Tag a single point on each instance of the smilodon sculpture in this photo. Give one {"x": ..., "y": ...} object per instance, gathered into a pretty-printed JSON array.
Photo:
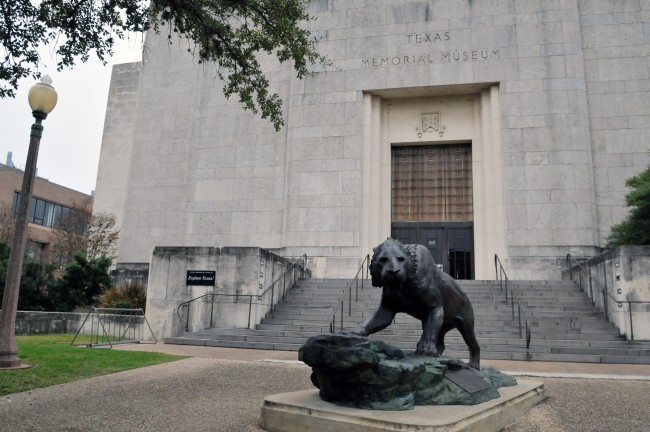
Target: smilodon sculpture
[{"x": 413, "y": 284}]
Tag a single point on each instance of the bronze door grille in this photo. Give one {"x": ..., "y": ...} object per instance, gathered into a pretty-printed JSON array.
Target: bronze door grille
[{"x": 432, "y": 183}]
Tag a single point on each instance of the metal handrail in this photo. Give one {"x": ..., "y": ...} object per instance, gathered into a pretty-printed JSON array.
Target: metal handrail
[
  {"x": 585, "y": 273},
  {"x": 502, "y": 277},
  {"x": 260, "y": 296},
  {"x": 213, "y": 295},
  {"x": 348, "y": 292}
]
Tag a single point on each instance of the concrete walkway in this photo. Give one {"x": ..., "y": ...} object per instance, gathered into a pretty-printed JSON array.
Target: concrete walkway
[{"x": 221, "y": 389}]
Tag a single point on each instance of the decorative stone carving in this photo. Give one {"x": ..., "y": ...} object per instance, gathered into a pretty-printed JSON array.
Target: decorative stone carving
[{"x": 430, "y": 122}]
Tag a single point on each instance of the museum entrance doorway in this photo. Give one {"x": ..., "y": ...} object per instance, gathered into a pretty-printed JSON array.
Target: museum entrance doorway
[{"x": 432, "y": 203}]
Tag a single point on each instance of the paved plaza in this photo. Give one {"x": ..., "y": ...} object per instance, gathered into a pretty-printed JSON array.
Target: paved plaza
[{"x": 221, "y": 389}]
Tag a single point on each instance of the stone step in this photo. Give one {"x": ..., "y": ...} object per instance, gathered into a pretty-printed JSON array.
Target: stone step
[
  {"x": 452, "y": 337},
  {"x": 483, "y": 297},
  {"x": 494, "y": 355},
  {"x": 456, "y": 344},
  {"x": 504, "y": 331},
  {"x": 487, "y": 310},
  {"x": 564, "y": 324},
  {"x": 357, "y": 318},
  {"x": 548, "y": 300},
  {"x": 366, "y": 288},
  {"x": 357, "y": 315},
  {"x": 496, "y": 314}
]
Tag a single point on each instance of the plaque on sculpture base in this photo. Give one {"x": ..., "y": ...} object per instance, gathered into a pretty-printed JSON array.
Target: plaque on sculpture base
[{"x": 305, "y": 411}]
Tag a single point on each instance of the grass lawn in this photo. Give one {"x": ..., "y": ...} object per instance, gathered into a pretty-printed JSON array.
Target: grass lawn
[{"x": 53, "y": 361}]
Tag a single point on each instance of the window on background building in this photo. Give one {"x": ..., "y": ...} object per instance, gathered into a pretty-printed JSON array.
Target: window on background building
[{"x": 47, "y": 213}]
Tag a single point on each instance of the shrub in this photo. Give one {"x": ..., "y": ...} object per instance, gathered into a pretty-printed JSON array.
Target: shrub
[
  {"x": 635, "y": 229},
  {"x": 131, "y": 295},
  {"x": 83, "y": 281}
]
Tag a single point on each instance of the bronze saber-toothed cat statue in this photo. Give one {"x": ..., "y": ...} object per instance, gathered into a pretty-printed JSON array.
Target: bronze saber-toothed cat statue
[{"x": 413, "y": 284}]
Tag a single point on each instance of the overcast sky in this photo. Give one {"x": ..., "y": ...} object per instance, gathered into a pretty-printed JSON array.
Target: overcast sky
[{"x": 72, "y": 138}]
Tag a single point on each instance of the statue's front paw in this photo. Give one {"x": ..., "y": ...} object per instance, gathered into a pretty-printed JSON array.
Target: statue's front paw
[
  {"x": 360, "y": 331},
  {"x": 426, "y": 348}
]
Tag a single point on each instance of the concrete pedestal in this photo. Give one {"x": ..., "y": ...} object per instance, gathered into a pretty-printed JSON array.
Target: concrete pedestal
[{"x": 304, "y": 411}]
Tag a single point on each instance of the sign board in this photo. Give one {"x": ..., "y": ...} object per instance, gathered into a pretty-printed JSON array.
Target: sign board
[{"x": 201, "y": 277}]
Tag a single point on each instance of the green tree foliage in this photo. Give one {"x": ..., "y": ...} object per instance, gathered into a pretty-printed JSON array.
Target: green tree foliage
[
  {"x": 635, "y": 229},
  {"x": 84, "y": 280},
  {"x": 230, "y": 33},
  {"x": 35, "y": 284},
  {"x": 4, "y": 263}
]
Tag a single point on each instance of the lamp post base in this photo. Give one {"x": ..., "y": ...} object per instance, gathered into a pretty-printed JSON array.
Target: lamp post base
[{"x": 11, "y": 361}]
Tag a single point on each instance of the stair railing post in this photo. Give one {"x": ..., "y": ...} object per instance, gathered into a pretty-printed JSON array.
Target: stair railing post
[
  {"x": 629, "y": 308},
  {"x": 591, "y": 288},
  {"x": 250, "y": 308},
  {"x": 367, "y": 266},
  {"x": 519, "y": 314},
  {"x": 605, "y": 308},
  {"x": 350, "y": 301},
  {"x": 293, "y": 281},
  {"x": 342, "y": 315},
  {"x": 187, "y": 321},
  {"x": 211, "y": 310},
  {"x": 356, "y": 289},
  {"x": 580, "y": 280}
]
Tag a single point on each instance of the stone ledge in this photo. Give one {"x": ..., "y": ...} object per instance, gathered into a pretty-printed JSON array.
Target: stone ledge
[{"x": 304, "y": 411}]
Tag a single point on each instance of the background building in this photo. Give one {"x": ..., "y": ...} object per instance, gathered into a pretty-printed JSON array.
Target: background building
[
  {"x": 50, "y": 205},
  {"x": 474, "y": 127}
]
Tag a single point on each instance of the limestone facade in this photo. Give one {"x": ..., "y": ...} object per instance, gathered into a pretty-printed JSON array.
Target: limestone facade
[{"x": 552, "y": 95}]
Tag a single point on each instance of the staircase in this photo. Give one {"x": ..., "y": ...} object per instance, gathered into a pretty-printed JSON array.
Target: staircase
[{"x": 564, "y": 324}]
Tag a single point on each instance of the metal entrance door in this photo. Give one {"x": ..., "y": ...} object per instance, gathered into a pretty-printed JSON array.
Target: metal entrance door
[
  {"x": 432, "y": 203},
  {"x": 451, "y": 244}
]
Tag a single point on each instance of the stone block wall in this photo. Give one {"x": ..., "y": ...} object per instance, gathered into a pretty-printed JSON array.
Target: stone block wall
[
  {"x": 618, "y": 282},
  {"x": 130, "y": 273},
  {"x": 615, "y": 46},
  {"x": 568, "y": 115},
  {"x": 248, "y": 281},
  {"x": 117, "y": 141}
]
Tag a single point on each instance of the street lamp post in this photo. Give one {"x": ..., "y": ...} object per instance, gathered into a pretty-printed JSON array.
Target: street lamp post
[{"x": 42, "y": 99}]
